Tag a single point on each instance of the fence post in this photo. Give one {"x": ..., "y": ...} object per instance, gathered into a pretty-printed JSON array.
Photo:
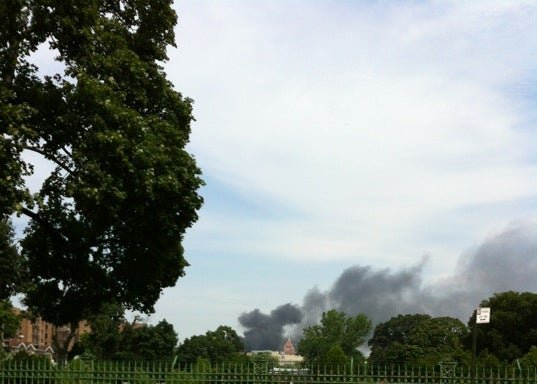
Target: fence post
[{"x": 447, "y": 371}]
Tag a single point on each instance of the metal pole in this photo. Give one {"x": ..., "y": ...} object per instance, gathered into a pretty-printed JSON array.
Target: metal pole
[{"x": 474, "y": 347}]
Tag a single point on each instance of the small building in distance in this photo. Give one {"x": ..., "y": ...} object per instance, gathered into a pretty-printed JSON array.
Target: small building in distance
[
  {"x": 35, "y": 336},
  {"x": 288, "y": 348},
  {"x": 286, "y": 356},
  {"x": 289, "y": 357}
]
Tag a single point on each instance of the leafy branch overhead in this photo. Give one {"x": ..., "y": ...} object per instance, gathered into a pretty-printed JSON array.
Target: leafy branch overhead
[{"x": 108, "y": 221}]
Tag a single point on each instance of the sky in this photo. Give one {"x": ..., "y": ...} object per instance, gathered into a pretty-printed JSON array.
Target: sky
[
  {"x": 340, "y": 136},
  {"x": 376, "y": 157}
]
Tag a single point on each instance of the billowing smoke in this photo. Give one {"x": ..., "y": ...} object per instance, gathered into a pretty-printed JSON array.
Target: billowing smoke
[
  {"x": 507, "y": 261},
  {"x": 265, "y": 332}
]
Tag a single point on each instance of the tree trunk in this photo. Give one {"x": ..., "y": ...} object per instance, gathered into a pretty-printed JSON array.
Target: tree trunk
[{"x": 61, "y": 340}]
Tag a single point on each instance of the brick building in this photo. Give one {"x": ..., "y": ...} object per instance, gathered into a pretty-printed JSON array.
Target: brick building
[{"x": 35, "y": 336}]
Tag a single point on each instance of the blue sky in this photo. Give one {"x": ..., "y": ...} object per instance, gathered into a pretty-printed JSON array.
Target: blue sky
[
  {"x": 343, "y": 133},
  {"x": 334, "y": 134}
]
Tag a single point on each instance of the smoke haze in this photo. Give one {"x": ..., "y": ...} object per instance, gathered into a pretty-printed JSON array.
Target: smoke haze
[
  {"x": 506, "y": 261},
  {"x": 264, "y": 332}
]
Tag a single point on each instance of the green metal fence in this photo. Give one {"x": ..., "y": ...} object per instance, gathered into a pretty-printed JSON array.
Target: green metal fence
[{"x": 93, "y": 372}]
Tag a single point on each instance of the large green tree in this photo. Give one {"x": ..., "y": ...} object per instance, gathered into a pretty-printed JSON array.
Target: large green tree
[
  {"x": 147, "y": 342},
  {"x": 512, "y": 330},
  {"x": 9, "y": 321},
  {"x": 11, "y": 262},
  {"x": 108, "y": 221},
  {"x": 336, "y": 329},
  {"x": 113, "y": 338},
  {"x": 416, "y": 338},
  {"x": 222, "y": 344}
]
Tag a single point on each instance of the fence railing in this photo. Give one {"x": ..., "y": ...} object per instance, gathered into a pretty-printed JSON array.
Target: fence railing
[{"x": 94, "y": 372}]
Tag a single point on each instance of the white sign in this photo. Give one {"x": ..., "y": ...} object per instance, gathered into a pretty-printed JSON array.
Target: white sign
[{"x": 482, "y": 315}]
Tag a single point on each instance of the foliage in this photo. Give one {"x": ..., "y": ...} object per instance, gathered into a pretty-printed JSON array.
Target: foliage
[
  {"x": 148, "y": 342},
  {"x": 262, "y": 359},
  {"x": 118, "y": 340},
  {"x": 529, "y": 360},
  {"x": 4, "y": 354},
  {"x": 512, "y": 330},
  {"x": 335, "y": 357},
  {"x": 462, "y": 356},
  {"x": 108, "y": 222},
  {"x": 335, "y": 329},
  {"x": 416, "y": 338},
  {"x": 33, "y": 359},
  {"x": 487, "y": 359},
  {"x": 11, "y": 262},
  {"x": 75, "y": 372},
  {"x": 223, "y": 344},
  {"x": 9, "y": 321},
  {"x": 103, "y": 341}
]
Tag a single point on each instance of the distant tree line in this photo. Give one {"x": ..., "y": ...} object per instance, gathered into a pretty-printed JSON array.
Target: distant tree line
[
  {"x": 510, "y": 337},
  {"x": 337, "y": 340},
  {"x": 417, "y": 339}
]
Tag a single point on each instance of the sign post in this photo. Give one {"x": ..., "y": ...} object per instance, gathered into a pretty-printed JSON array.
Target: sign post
[{"x": 482, "y": 316}]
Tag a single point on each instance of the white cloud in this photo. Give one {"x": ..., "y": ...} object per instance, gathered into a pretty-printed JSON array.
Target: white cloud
[{"x": 368, "y": 119}]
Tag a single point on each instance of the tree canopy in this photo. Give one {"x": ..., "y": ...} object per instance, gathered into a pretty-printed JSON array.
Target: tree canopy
[
  {"x": 113, "y": 338},
  {"x": 11, "y": 263},
  {"x": 103, "y": 342},
  {"x": 336, "y": 329},
  {"x": 108, "y": 221},
  {"x": 512, "y": 330},
  {"x": 416, "y": 338},
  {"x": 147, "y": 342},
  {"x": 9, "y": 321},
  {"x": 222, "y": 344}
]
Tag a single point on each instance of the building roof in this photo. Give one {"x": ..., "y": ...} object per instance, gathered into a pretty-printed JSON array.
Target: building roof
[{"x": 289, "y": 348}]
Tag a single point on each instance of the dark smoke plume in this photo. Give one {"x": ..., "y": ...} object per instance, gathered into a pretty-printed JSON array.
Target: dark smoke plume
[
  {"x": 265, "y": 332},
  {"x": 507, "y": 261}
]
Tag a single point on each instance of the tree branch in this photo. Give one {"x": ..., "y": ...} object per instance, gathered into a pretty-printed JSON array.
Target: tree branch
[
  {"x": 53, "y": 232},
  {"x": 67, "y": 152},
  {"x": 34, "y": 216},
  {"x": 61, "y": 164}
]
